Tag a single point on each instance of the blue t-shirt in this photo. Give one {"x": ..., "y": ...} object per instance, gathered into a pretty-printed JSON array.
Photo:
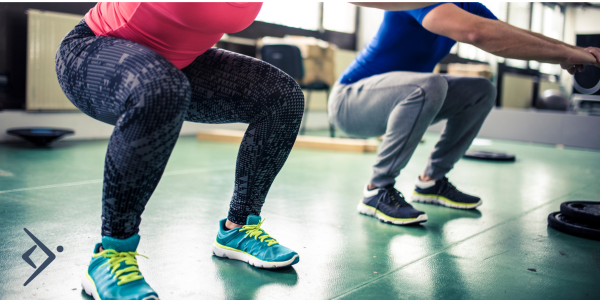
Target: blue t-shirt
[{"x": 403, "y": 44}]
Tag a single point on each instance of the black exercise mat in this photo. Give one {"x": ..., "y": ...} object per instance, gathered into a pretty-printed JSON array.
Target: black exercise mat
[{"x": 488, "y": 155}]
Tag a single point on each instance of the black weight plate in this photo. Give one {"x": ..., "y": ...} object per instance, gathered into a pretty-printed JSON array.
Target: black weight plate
[
  {"x": 488, "y": 155},
  {"x": 560, "y": 222},
  {"x": 583, "y": 211}
]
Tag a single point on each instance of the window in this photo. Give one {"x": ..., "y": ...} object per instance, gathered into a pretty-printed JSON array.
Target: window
[
  {"x": 370, "y": 20},
  {"x": 536, "y": 17},
  {"x": 339, "y": 16},
  {"x": 537, "y": 11},
  {"x": 519, "y": 14},
  {"x": 553, "y": 26},
  {"x": 305, "y": 15},
  {"x": 499, "y": 9}
]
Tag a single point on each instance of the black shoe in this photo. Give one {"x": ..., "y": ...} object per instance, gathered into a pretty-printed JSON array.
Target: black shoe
[
  {"x": 444, "y": 193},
  {"x": 388, "y": 205}
]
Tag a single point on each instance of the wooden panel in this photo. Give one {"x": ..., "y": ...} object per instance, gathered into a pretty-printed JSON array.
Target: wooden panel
[{"x": 307, "y": 142}]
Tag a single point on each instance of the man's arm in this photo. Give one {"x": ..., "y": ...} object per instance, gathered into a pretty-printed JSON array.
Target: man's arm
[
  {"x": 503, "y": 39},
  {"x": 394, "y": 6},
  {"x": 593, "y": 50},
  {"x": 548, "y": 39}
]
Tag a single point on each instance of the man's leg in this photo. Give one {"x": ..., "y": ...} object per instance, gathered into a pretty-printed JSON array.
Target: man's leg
[
  {"x": 400, "y": 105},
  {"x": 468, "y": 102}
]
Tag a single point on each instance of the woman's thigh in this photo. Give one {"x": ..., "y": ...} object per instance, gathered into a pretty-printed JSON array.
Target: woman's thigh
[
  {"x": 228, "y": 87},
  {"x": 106, "y": 76}
]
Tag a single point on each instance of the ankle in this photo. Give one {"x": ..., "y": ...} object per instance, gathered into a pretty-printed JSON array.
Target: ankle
[
  {"x": 371, "y": 187},
  {"x": 230, "y": 225},
  {"x": 425, "y": 178}
]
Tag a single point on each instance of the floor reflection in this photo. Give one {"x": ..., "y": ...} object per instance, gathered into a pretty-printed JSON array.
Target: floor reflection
[
  {"x": 409, "y": 245},
  {"x": 229, "y": 271}
]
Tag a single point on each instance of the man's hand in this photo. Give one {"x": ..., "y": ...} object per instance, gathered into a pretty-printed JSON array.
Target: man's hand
[
  {"x": 578, "y": 58},
  {"x": 596, "y": 53}
]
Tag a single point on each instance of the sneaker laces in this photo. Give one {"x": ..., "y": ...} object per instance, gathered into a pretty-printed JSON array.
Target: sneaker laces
[
  {"x": 114, "y": 261},
  {"x": 395, "y": 198},
  {"x": 258, "y": 233},
  {"x": 448, "y": 188}
]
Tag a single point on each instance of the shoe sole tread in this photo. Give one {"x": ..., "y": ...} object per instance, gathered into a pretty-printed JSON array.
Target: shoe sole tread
[
  {"x": 371, "y": 212},
  {"x": 443, "y": 201},
  {"x": 219, "y": 251}
]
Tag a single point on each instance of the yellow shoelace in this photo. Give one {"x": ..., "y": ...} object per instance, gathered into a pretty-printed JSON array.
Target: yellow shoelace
[
  {"x": 114, "y": 260},
  {"x": 258, "y": 233}
]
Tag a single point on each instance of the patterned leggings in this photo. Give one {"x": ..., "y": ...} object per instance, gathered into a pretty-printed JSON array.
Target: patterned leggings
[{"x": 147, "y": 98}]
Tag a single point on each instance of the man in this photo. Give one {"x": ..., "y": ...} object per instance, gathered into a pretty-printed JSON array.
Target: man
[{"x": 390, "y": 90}]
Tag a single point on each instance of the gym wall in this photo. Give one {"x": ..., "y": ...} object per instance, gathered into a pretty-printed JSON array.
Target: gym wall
[{"x": 13, "y": 44}]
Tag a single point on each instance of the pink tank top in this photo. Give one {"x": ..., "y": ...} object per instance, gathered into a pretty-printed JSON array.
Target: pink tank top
[{"x": 178, "y": 31}]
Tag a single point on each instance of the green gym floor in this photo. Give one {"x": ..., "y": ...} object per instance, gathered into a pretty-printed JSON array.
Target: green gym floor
[{"x": 504, "y": 250}]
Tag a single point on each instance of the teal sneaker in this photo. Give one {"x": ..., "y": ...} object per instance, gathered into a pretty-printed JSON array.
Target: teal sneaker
[
  {"x": 253, "y": 245},
  {"x": 113, "y": 274}
]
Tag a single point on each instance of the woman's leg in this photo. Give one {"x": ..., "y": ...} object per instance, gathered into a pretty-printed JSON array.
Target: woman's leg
[
  {"x": 125, "y": 84},
  {"x": 229, "y": 88}
]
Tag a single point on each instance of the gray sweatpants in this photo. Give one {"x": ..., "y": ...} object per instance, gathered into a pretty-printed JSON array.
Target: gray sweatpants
[{"x": 401, "y": 105}]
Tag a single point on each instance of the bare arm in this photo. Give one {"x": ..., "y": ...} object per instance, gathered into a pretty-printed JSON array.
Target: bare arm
[
  {"x": 548, "y": 39},
  {"x": 503, "y": 39},
  {"x": 593, "y": 50},
  {"x": 394, "y": 6}
]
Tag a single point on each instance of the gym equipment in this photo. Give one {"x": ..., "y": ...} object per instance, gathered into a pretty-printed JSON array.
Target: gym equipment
[
  {"x": 41, "y": 137},
  {"x": 588, "y": 81},
  {"x": 552, "y": 100},
  {"x": 586, "y": 103},
  {"x": 563, "y": 223},
  {"x": 584, "y": 211},
  {"x": 488, "y": 155}
]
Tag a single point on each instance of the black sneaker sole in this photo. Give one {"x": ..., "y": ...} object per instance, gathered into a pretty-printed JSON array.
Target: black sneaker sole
[{"x": 370, "y": 211}]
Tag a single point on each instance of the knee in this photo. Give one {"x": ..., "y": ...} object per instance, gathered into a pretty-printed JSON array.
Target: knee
[
  {"x": 292, "y": 97},
  {"x": 435, "y": 88},
  {"x": 488, "y": 93}
]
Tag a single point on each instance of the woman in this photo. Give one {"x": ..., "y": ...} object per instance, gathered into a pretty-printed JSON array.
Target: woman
[{"x": 147, "y": 67}]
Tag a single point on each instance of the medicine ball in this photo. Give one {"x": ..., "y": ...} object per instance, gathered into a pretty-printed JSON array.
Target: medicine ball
[{"x": 552, "y": 100}]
